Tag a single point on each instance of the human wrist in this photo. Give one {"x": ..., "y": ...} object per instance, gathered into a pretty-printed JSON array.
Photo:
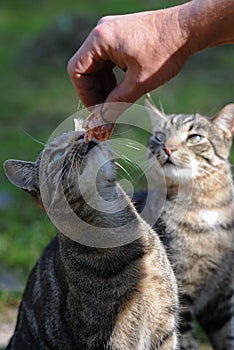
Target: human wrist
[
  {"x": 169, "y": 30},
  {"x": 206, "y": 23}
]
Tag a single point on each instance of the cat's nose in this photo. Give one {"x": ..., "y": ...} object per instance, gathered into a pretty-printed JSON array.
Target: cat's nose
[
  {"x": 83, "y": 147},
  {"x": 167, "y": 150},
  {"x": 89, "y": 145}
]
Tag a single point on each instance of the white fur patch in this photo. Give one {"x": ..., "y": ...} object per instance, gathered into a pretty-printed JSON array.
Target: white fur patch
[{"x": 210, "y": 217}]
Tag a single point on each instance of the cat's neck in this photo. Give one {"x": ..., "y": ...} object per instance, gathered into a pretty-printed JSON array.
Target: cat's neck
[
  {"x": 111, "y": 210},
  {"x": 95, "y": 275},
  {"x": 216, "y": 186},
  {"x": 107, "y": 228},
  {"x": 204, "y": 203},
  {"x": 80, "y": 261}
]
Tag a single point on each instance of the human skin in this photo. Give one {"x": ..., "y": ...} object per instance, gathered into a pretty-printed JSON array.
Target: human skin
[{"x": 150, "y": 47}]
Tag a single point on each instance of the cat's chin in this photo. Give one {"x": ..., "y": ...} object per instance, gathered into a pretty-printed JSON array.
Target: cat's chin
[
  {"x": 99, "y": 167},
  {"x": 177, "y": 175}
]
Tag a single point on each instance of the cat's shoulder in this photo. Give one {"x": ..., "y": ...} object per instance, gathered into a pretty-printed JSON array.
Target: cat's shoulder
[
  {"x": 49, "y": 260},
  {"x": 52, "y": 246}
]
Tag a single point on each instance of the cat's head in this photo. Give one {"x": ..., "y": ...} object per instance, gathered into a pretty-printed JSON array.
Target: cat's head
[
  {"x": 69, "y": 163},
  {"x": 190, "y": 147}
]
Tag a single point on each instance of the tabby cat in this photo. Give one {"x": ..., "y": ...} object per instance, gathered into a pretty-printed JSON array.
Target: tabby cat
[
  {"x": 80, "y": 297},
  {"x": 198, "y": 218}
]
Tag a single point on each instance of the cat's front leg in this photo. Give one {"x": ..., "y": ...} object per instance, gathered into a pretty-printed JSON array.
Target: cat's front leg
[{"x": 217, "y": 320}]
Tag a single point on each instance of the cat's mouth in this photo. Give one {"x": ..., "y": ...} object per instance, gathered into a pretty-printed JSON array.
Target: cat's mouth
[
  {"x": 166, "y": 160},
  {"x": 169, "y": 161},
  {"x": 84, "y": 147}
]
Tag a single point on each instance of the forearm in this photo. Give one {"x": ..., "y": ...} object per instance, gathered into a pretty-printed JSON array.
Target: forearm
[
  {"x": 151, "y": 47},
  {"x": 207, "y": 23}
]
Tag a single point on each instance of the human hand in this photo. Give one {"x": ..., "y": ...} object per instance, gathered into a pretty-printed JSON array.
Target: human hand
[
  {"x": 148, "y": 46},
  {"x": 151, "y": 47}
]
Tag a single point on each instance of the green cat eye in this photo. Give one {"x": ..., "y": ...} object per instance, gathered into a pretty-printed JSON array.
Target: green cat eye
[{"x": 194, "y": 138}]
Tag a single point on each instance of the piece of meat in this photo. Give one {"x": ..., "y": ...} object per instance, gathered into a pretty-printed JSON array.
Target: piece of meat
[{"x": 96, "y": 127}]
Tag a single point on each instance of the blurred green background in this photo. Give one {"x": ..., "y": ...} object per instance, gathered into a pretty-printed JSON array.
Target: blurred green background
[{"x": 37, "y": 39}]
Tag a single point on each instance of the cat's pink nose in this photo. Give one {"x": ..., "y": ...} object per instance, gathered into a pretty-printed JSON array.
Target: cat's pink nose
[{"x": 167, "y": 150}]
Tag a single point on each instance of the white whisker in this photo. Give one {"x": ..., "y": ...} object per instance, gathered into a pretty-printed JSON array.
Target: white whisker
[
  {"x": 71, "y": 168},
  {"x": 130, "y": 146},
  {"x": 80, "y": 105},
  {"x": 50, "y": 174},
  {"x": 161, "y": 106},
  {"x": 56, "y": 189},
  {"x": 125, "y": 171},
  {"x": 213, "y": 169},
  {"x": 120, "y": 133},
  {"x": 128, "y": 161},
  {"x": 150, "y": 98},
  {"x": 145, "y": 170},
  {"x": 212, "y": 175}
]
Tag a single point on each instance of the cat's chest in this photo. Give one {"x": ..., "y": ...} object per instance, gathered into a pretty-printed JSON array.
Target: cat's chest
[
  {"x": 198, "y": 231},
  {"x": 198, "y": 242},
  {"x": 179, "y": 215}
]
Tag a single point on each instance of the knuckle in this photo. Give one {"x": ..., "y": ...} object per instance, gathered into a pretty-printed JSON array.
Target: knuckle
[
  {"x": 99, "y": 32},
  {"x": 106, "y": 28},
  {"x": 104, "y": 19},
  {"x": 102, "y": 34}
]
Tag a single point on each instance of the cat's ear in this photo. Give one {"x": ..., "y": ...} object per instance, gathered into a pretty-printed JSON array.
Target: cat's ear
[
  {"x": 225, "y": 120},
  {"x": 21, "y": 174},
  {"x": 154, "y": 112}
]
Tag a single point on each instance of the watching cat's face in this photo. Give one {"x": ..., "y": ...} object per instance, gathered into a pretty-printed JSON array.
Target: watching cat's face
[
  {"x": 80, "y": 167},
  {"x": 189, "y": 147}
]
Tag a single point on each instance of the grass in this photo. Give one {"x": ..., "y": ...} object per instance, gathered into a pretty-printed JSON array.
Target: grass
[
  {"x": 35, "y": 99},
  {"x": 9, "y": 299}
]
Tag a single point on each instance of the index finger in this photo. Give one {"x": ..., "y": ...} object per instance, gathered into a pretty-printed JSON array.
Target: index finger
[{"x": 92, "y": 75}]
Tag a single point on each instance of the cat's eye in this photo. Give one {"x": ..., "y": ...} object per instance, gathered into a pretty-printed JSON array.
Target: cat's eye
[
  {"x": 160, "y": 137},
  {"x": 195, "y": 138}
]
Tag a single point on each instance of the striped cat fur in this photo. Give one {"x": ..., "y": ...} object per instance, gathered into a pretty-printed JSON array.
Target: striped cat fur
[
  {"x": 85, "y": 298},
  {"x": 197, "y": 221}
]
